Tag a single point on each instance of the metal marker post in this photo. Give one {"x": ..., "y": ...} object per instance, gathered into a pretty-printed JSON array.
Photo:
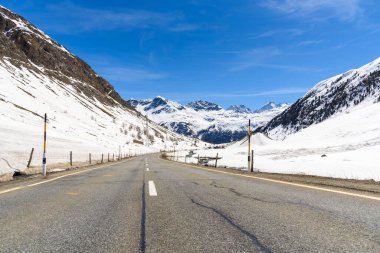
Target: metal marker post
[
  {"x": 249, "y": 145},
  {"x": 252, "y": 155},
  {"x": 44, "y": 154}
]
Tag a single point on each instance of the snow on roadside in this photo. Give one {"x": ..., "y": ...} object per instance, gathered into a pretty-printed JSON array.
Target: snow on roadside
[{"x": 350, "y": 142}]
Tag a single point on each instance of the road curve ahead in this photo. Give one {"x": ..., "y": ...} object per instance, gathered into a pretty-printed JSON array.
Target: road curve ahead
[{"x": 151, "y": 205}]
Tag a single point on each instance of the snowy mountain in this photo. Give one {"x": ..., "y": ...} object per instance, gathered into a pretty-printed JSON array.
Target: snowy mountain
[
  {"x": 239, "y": 109},
  {"x": 205, "y": 120},
  {"x": 343, "y": 146},
  {"x": 204, "y": 106},
  {"x": 332, "y": 131},
  {"x": 86, "y": 115},
  {"x": 329, "y": 98},
  {"x": 268, "y": 106}
]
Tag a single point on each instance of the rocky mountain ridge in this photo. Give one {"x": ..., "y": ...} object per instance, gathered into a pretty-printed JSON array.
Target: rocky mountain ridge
[
  {"x": 24, "y": 44},
  {"x": 338, "y": 94}
]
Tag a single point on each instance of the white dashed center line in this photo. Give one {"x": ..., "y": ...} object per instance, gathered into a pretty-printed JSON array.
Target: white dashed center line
[
  {"x": 147, "y": 169},
  {"x": 152, "y": 189}
]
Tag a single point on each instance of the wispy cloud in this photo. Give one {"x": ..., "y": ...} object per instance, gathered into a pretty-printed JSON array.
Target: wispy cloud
[
  {"x": 184, "y": 28},
  {"x": 117, "y": 71},
  {"x": 279, "y": 32},
  {"x": 276, "y": 92},
  {"x": 344, "y": 10},
  {"x": 309, "y": 42},
  {"x": 203, "y": 95},
  {"x": 75, "y": 19},
  {"x": 130, "y": 74},
  {"x": 250, "y": 58},
  {"x": 266, "y": 57}
]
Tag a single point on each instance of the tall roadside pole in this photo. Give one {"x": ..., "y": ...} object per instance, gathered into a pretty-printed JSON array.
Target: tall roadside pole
[
  {"x": 249, "y": 145},
  {"x": 44, "y": 154}
]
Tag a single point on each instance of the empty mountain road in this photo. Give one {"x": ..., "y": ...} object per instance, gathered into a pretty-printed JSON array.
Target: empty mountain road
[{"x": 151, "y": 205}]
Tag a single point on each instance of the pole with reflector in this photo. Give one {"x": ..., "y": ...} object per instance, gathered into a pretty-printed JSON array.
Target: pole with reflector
[
  {"x": 249, "y": 145},
  {"x": 44, "y": 154}
]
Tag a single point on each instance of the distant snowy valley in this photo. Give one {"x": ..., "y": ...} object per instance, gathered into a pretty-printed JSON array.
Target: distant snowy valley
[{"x": 205, "y": 120}]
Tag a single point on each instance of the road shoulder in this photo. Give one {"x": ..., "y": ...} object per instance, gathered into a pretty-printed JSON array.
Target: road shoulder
[{"x": 363, "y": 186}]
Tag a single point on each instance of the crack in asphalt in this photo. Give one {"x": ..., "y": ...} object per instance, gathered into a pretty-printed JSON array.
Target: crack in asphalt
[
  {"x": 234, "y": 191},
  {"x": 292, "y": 203},
  {"x": 252, "y": 237},
  {"x": 143, "y": 217}
]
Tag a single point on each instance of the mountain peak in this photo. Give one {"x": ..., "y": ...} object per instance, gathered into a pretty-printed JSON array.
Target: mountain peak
[
  {"x": 202, "y": 105},
  {"x": 268, "y": 106},
  {"x": 156, "y": 102},
  {"x": 22, "y": 41},
  {"x": 239, "y": 109}
]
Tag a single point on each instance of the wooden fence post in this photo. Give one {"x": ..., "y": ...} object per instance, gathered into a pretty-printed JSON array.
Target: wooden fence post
[
  {"x": 30, "y": 158},
  {"x": 71, "y": 158},
  {"x": 198, "y": 159},
  {"x": 113, "y": 157},
  {"x": 89, "y": 156},
  {"x": 185, "y": 158},
  {"x": 108, "y": 157},
  {"x": 102, "y": 158},
  {"x": 216, "y": 160}
]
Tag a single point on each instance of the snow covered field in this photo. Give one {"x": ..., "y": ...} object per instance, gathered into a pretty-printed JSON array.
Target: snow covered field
[{"x": 350, "y": 141}]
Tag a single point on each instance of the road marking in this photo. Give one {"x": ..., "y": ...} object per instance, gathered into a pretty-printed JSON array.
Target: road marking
[
  {"x": 72, "y": 193},
  {"x": 59, "y": 177},
  {"x": 152, "y": 189},
  {"x": 147, "y": 169},
  {"x": 10, "y": 190},
  {"x": 290, "y": 183},
  {"x": 107, "y": 175}
]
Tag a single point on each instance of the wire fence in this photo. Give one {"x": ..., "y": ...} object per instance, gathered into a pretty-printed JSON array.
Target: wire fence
[{"x": 31, "y": 162}]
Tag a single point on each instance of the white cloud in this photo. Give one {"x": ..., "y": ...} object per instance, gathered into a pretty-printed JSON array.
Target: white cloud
[
  {"x": 183, "y": 28},
  {"x": 344, "y": 10},
  {"x": 76, "y": 19},
  {"x": 130, "y": 74},
  {"x": 250, "y": 58},
  {"x": 309, "y": 42},
  {"x": 284, "y": 91},
  {"x": 280, "y": 32}
]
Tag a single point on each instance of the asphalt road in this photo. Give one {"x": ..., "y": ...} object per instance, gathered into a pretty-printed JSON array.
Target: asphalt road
[{"x": 170, "y": 207}]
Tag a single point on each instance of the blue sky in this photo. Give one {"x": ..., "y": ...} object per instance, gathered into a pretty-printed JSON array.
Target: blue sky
[{"x": 226, "y": 51}]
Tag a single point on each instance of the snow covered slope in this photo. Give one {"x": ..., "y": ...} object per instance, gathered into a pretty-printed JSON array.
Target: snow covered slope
[
  {"x": 327, "y": 99},
  {"x": 86, "y": 115},
  {"x": 334, "y": 131},
  {"x": 345, "y": 146},
  {"x": 205, "y": 120}
]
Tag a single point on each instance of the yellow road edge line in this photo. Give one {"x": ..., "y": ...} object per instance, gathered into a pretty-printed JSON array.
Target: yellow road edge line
[
  {"x": 11, "y": 190},
  {"x": 285, "y": 182},
  {"x": 59, "y": 177}
]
